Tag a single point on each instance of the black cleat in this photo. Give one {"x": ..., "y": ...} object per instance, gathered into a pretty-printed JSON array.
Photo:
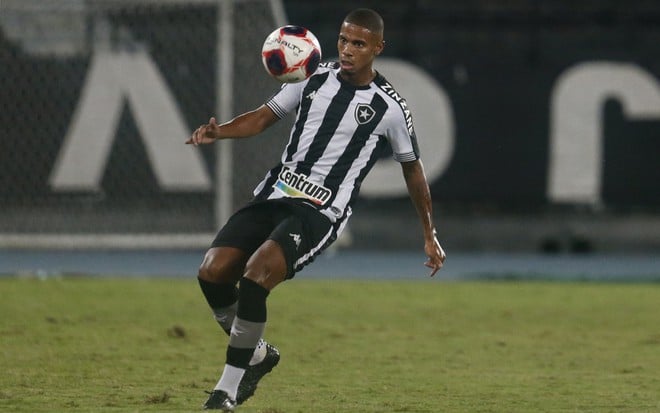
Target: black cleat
[
  {"x": 253, "y": 374},
  {"x": 219, "y": 400}
]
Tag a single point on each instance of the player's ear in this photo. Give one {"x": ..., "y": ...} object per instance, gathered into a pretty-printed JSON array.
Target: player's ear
[{"x": 380, "y": 47}]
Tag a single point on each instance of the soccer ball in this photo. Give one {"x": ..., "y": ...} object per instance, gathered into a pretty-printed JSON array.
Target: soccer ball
[{"x": 291, "y": 54}]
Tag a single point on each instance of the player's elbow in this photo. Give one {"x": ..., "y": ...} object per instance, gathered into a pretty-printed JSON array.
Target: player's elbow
[{"x": 412, "y": 169}]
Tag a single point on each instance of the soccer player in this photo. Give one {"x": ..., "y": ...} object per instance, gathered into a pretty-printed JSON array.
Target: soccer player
[{"x": 345, "y": 114}]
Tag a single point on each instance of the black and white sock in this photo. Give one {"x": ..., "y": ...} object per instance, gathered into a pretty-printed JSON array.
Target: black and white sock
[
  {"x": 222, "y": 298},
  {"x": 246, "y": 333}
]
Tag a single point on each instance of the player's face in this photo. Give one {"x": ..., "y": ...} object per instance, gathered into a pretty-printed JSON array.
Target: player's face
[{"x": 358, "y": 47}]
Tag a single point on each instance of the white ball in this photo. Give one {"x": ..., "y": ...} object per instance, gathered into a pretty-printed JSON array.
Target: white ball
[{"x": 291, "y": 54}]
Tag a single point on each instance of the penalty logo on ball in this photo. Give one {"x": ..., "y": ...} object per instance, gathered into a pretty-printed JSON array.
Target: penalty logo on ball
[{"x": 291, "y": 54}]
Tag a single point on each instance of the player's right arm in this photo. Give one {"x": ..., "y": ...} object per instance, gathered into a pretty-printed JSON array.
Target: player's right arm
[{"x": 243, "y": 126}]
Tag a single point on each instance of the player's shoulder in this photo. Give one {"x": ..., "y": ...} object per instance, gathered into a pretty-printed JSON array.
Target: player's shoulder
[
  {"x": 321, "y": 72},
  {"x": 326, "y": 67},
  {"x": 398, "y": 107},
  {"x": 330, "y": 65},
  {"x": 387, "y": 88},
  {"x": 394, "y": 98}
]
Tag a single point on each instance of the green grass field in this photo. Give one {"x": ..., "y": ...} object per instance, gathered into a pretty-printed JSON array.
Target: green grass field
[{"x": 147, "y": 345}]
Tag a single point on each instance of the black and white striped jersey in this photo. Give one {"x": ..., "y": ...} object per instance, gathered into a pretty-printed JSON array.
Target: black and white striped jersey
[{"x": 338, "y": 135}]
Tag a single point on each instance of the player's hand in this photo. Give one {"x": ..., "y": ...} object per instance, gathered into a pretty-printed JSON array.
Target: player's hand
[
  {"x": 436, "y": 255},
  {"x": 205, "y": 134}
]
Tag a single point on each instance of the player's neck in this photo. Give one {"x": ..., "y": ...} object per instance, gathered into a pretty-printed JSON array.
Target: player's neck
[{"x": 358, "y": 79}]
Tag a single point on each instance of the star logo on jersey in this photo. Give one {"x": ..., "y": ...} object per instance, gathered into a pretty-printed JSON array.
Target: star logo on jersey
[
  {"x": 364, "y": 113},
  {"x": 296, "y": 239},
  {"x": 311, "y": 95}
]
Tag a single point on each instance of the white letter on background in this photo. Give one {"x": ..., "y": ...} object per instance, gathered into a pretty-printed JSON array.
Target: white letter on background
[
  {"x": 576, "y": 123},
  {"x": 112, "y": 77}
]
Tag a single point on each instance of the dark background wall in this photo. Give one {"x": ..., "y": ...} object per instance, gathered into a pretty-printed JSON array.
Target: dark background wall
[{"x": 497, "y": 61}]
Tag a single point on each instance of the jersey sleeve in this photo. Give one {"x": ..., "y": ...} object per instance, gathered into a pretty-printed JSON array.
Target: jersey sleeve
[
  {"x": 286, "y": 99},
  {"x": 401, "y": 135}
]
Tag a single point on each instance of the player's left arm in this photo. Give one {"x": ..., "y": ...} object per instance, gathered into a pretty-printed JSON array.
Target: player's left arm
[{"x": 420, "y": 194}]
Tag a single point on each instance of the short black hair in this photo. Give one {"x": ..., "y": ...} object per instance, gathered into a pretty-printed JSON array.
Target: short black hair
[{"x": 367, "y": 18}]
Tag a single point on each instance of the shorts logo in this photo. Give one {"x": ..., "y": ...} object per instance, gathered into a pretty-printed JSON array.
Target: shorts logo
[
  {"x": 296, "y": 239},
  {"x": 364, "y": 113},
  {"x": 297, "y": 185}
]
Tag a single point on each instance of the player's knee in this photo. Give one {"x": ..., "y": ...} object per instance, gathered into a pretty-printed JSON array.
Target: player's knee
[
  {"x": 220, "y": 266},
  {"x": 209, "y": 268}
]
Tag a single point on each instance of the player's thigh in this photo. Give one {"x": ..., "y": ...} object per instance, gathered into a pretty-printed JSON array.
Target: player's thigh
[
  {"x": 301, "y": 237},
  {"x": 268, "y": 265},
  {"x": 236, "y": 241},
  {"x": 247, "y": 229},
  {"x": 274, "y": 261}
]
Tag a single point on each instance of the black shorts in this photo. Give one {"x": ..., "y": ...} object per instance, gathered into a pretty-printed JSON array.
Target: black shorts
[{"x": 301, "y": 230}]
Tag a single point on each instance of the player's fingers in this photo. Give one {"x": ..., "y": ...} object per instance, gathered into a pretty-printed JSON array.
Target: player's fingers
[
  {"x": 197, "y": 136},
  {"x": 433, "y": 270},
  {"x": 434, "y": 266},
  {"x": 208, "y": 131}
]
